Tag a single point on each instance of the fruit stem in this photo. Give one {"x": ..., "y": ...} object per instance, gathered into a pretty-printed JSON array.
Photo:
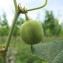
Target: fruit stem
[
  {"x": 32, "y": 49},
  {"x": 26, "y": 16}
]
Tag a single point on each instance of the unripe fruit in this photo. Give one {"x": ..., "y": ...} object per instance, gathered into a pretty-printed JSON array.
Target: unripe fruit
[{"x": 32, "y": 32}]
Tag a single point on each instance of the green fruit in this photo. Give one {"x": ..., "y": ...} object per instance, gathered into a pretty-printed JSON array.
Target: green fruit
[{"x": 32, "y": 32}]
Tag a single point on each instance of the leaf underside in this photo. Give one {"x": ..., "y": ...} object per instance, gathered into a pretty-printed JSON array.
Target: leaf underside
[{"x": 52, "y": 52}]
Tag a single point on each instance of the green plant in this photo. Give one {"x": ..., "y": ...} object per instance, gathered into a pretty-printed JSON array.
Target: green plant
[
  {"x": 18, "y": 10},
  {"x": 52, "y": 52},
  {"x": 51, "y": 25}
]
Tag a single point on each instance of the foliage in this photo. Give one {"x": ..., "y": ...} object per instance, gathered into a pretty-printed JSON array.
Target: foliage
[
  {"x": 61, "y": 33},
  {"x": 52, "y": 52},
  {"x": 51, "y": 25},
  {"x": 4, "y": 27}
]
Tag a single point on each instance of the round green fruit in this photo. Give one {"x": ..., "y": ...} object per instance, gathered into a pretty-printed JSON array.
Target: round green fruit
[{"x": 32, "y": 32}]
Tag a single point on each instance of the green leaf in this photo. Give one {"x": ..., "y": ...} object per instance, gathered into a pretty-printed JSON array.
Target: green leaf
[
  {"x": 58, "y": 58},
  {"x": 51, "y": 52}
]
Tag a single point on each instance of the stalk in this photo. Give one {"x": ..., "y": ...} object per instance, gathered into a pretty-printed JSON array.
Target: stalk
[
  {"x": 26, "y": 17},
  {"x": 11, "y": 31},
  {"x": 13, "y": 24}
]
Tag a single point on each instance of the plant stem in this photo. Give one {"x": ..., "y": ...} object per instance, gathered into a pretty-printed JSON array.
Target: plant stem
[
  {"x": 11, "y": 31},
  {"x": 13, "y": 24},
  {"x": 15, "y": 5},
  {"x": 2, "y": 56},
  {"x": 26, "y": 17},
  {"x": 32, "y": 49},
  {"x": 39, "y": 6}
]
